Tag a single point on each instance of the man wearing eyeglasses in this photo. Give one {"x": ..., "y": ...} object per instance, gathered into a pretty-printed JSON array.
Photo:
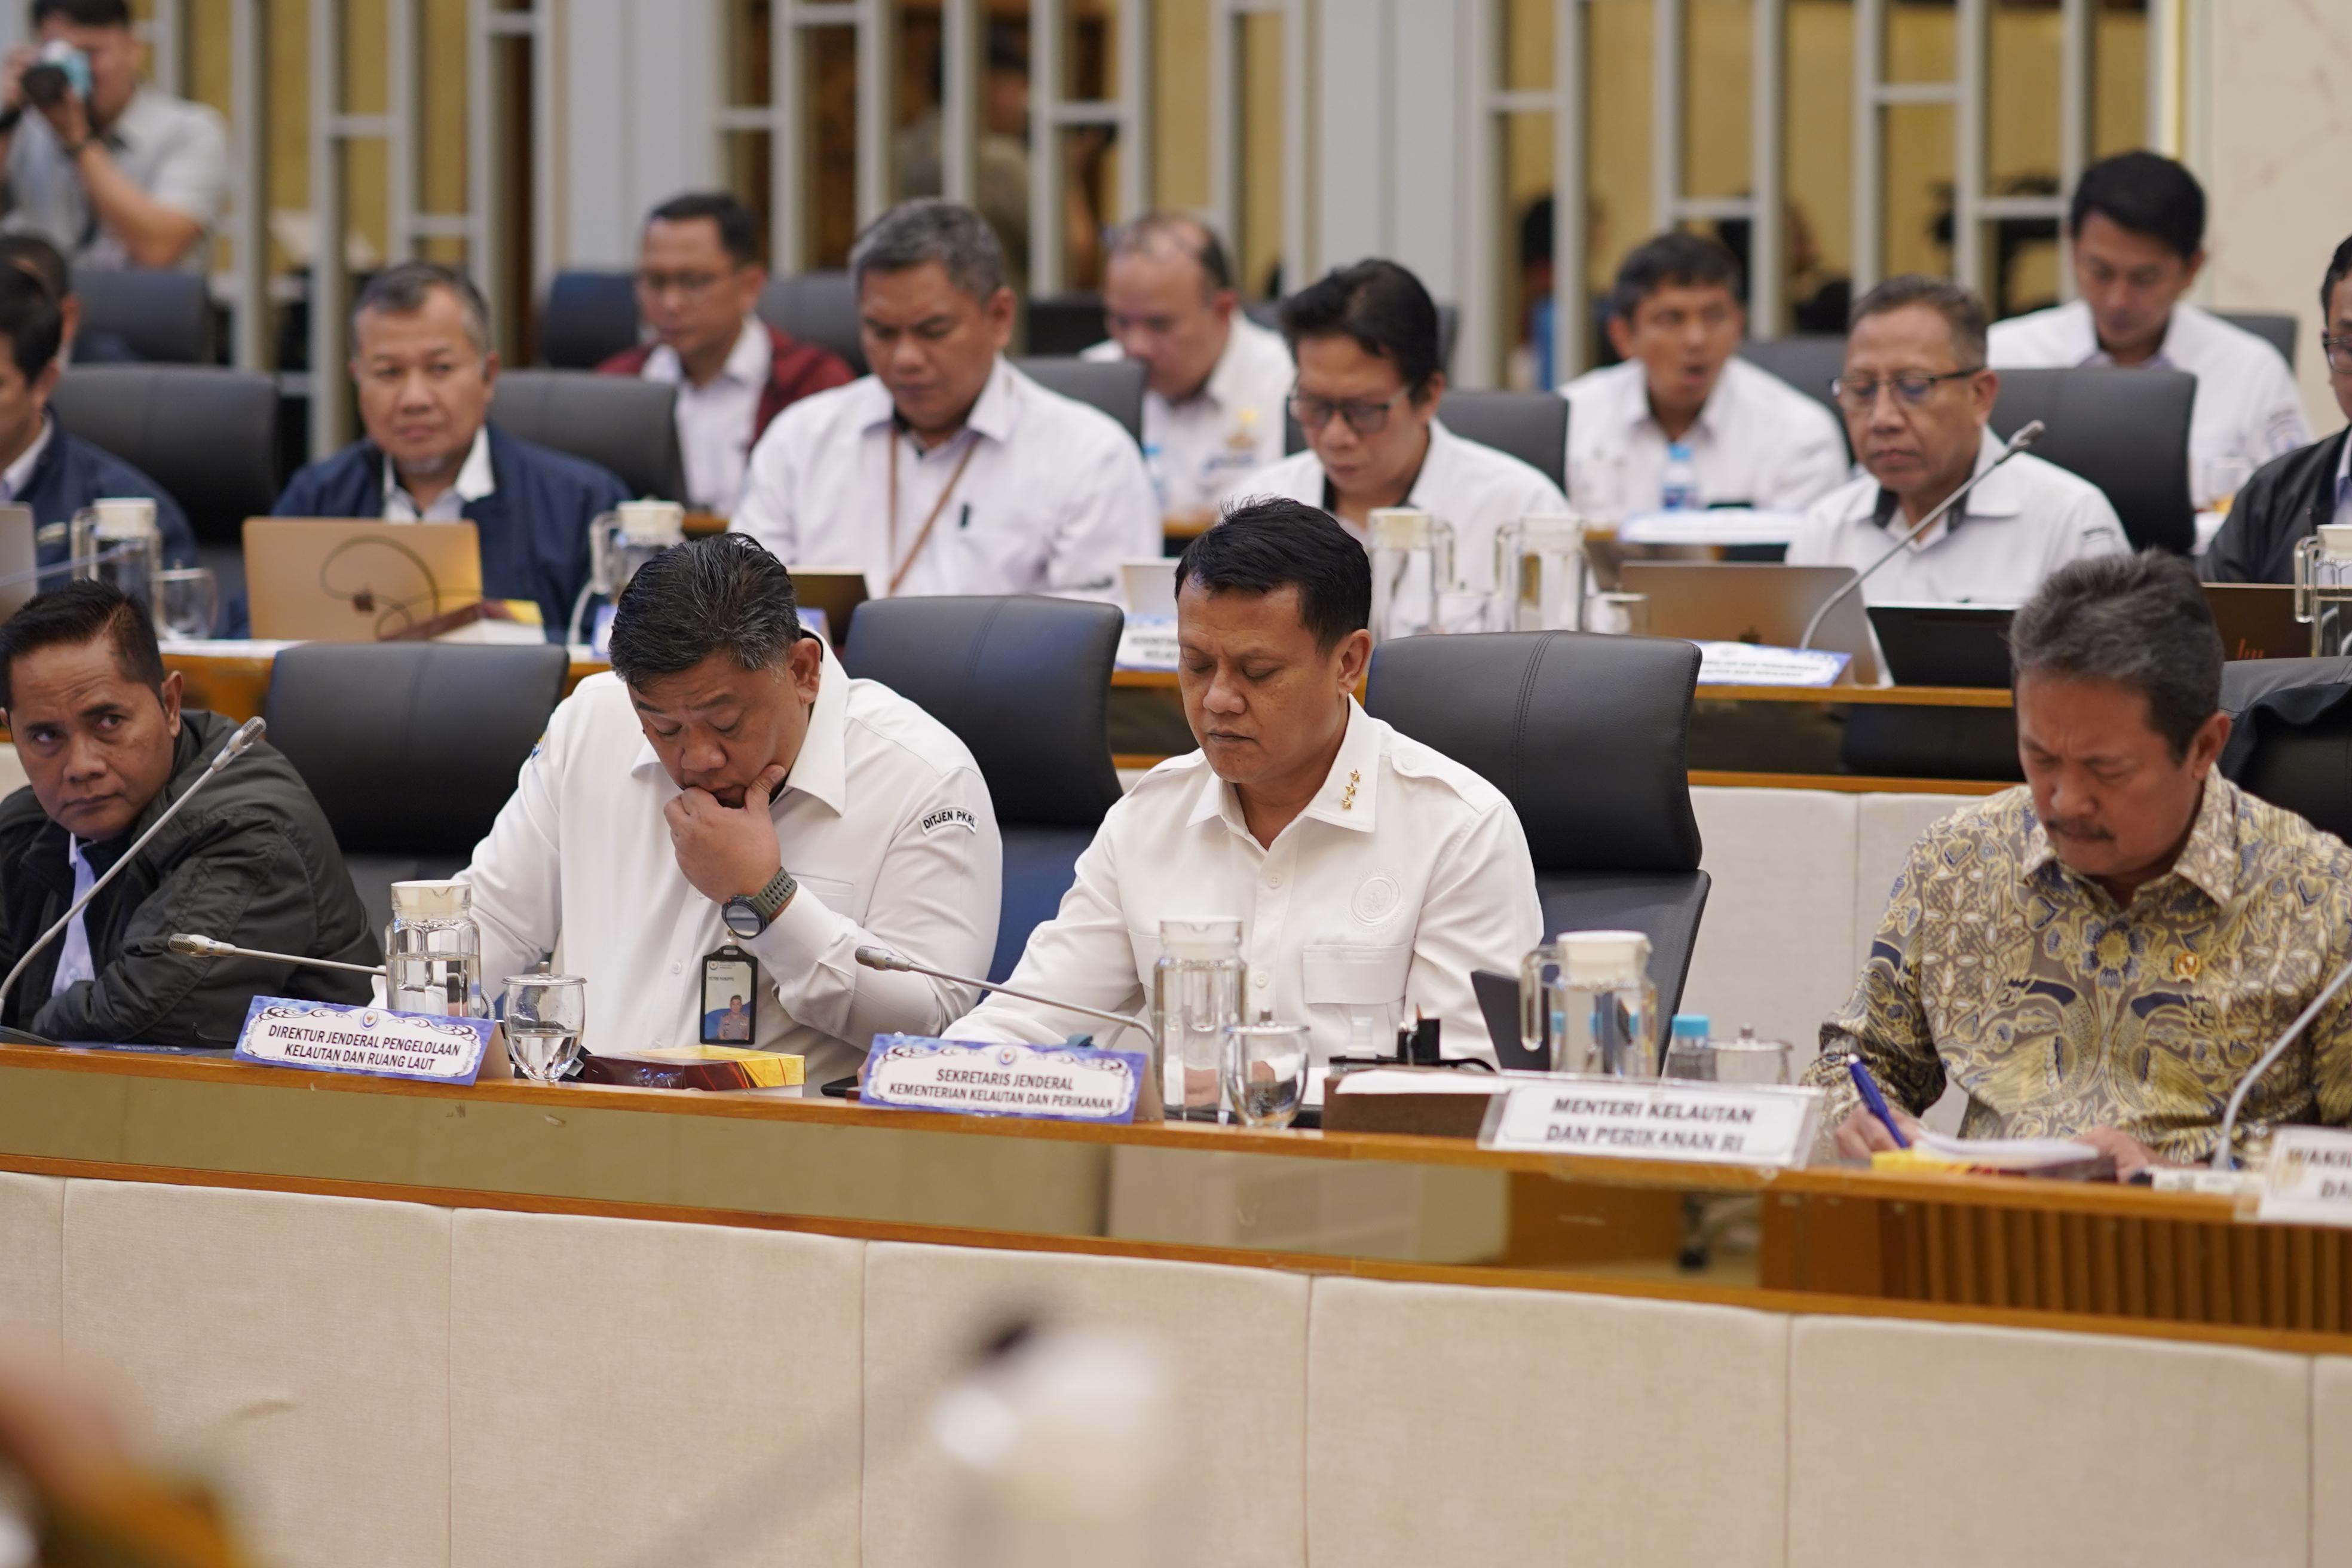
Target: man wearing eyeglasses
[
  {"x": 1917, "y": 397},
  {"x": 2292, "y": 495},
  {"x": 1370, "y": 377},
  {"x": 699, "y": 282}
]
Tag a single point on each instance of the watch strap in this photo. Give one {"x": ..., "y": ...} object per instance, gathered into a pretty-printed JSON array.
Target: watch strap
[{"x": 771, "y": 900}]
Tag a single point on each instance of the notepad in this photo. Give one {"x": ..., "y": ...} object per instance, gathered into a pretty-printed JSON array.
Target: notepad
[{"x": 2014, "y": 1156}]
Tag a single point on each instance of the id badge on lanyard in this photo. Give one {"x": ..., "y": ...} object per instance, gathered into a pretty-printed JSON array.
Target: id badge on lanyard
[{"x": 730, "y": 997}]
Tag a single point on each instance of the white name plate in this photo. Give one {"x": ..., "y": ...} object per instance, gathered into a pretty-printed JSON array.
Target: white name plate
[
  {"x": 325, "y": 1036},
  {"x": 2309, "y": 1179},
  {"x": 1752, "y": 1125},
  {"x": 1059, "y": 1083}
]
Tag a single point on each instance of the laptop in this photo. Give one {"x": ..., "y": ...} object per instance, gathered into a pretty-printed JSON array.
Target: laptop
[
  {"x": 2257, "y": 620},
  {"x": 1944, "y": 645},
  {"x": 1499, "y": 1005},
  {"x": 328, "y": 579},
  {"x": 834, "y": 592},
  {"x": 1728, "y": 601},
  {"x": 19, "y": 553}
]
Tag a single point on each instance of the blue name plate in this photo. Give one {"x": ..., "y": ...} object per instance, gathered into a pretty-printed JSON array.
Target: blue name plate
[
  {"x": 1054, "y": 1083},
  {"x": 326, "y": 1037}
]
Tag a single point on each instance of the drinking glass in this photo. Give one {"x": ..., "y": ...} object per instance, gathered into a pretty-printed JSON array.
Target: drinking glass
[
  {"x": 543, "y": 1014},
  {"x": 187, "y": 602},
  {"x": 1266, "y": 1071},
  {"x": 1748, "y": 1059}
]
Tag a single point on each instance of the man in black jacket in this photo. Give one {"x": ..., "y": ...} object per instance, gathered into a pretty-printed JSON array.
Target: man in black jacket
[
  {"x": 100, "y": 730},
  {"x": 2291, "y": 496}
]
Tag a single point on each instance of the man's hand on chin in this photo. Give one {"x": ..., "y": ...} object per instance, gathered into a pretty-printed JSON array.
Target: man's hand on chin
[{"x": 726, "y": 852}]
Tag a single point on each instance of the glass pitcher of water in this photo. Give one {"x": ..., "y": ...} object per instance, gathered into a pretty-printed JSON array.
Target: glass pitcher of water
[
  {"x": 117, "y": 540},
  {"x": 432, "y": 951},
  {"x": 1585, "y": 998},
  {"x": 1540, "y": 574},
  {"x": 1196, "y": 992},
  {"x": 1412, "y": 568},
  {"x": 2323, "y": 589}
]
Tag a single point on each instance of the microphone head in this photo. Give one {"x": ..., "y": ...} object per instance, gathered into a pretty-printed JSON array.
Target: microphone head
[
  {"x": 237, "y": 745},
  {"x": 880, "y": 958},
  {"x": 195, "y": 946},
  {"x": 2027, "y": 434}
]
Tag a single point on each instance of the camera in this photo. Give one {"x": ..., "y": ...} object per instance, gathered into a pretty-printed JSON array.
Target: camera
[{"x": 57, "y": 67}]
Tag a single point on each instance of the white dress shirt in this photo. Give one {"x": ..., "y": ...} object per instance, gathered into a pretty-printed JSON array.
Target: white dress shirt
[
  {"x": 1473, "y": 487},
  {"x": 885, "y": 823},
  {"x": 1758, "y": 442},
  {"x": 1407, "y": 872},
  {"x": 475, "y": 480},
  {"x": 2247, "y": 409},
  {"x": 714, "y": 421},
  {"x": 2019, "y": 526},
  {"x": 1198, "y": 449},
  {"x": 1054, "y": 498},
  {"x": 74, "y": 963},
  {"x": 175, "y": 150}
]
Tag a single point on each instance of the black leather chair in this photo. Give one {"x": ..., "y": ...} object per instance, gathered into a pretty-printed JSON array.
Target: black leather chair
[
  {"x": 2292, "y": 744},
  {"x": 818, "y": 307},
  {"x": 1026, "y": 683},
  {"x": 1530, "y": 425},
  {"x": 1807, "y": 362},
  {"x": 164, "y": 317},
  {"x": 1066, "y": 324},
  {"x": 2126, "y": 431},
  {"x": 1113, "y": 386},
  {"x": 1586, "y": 736},
  {"x": 411, "y": 748},
  {"x": 586, "y": 318},
  {"x": 2275, "y": 328},
  {"x": 619, "y": 422},
  {"x": 207, "y": 433}
]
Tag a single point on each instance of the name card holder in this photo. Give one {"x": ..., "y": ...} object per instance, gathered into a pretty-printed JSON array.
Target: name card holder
[
  {"x": 1052, "y": 1083},
  {"x": 2307, "y": 1179},
  {"x": 374, "y": 1042},
  {"x": 1765, "y": 1125}
]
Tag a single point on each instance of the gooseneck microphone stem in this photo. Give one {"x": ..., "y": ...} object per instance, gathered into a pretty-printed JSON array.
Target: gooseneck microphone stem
[
  {"x": 197, "y": 946},
  {"x": 2224, "y": 1159},
  {"x": 2025, "y": 437},
  {"x": 235, "y": 746},
  {"x": 883, "y": 958}
]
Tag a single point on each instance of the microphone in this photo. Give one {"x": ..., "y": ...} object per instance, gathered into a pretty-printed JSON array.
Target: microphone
[
  {"x": 235, "y": 746},
  {"x": 2223, "y": 1160},
  {"x": 197, "y": 946},
  {"x": 883, "y": 958},
  {"x": 2026, "y": 435}
]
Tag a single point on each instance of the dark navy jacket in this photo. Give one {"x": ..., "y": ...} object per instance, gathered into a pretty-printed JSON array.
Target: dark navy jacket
[
  {"x": 69, "y": 474},
  {"x": 533, "y": 526}
]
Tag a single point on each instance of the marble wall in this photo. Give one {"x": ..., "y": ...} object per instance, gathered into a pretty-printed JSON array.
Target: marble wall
[{"x": 2270, "y": 132}]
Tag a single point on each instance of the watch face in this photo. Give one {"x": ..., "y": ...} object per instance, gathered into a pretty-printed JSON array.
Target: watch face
[{"x": 739, "y": 917}]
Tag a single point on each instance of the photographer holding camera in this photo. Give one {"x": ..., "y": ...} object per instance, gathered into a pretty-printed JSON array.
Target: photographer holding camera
[{"x": 112, "y": 173}]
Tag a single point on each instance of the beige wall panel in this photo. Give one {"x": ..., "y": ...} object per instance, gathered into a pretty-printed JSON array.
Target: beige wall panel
[
  {"x": 622, "y": 1391},
  {"x": 1521, "y": 1426},
  {"x": 2331, "y": 1453},
  {"x": 1775, "y": 949},
  {"x": 295, "y": 1347},
  {"x": 1951, "y": 1444},
  {"x": 32, "y": 1259},
  {"x": 1239, "y": 1337}
]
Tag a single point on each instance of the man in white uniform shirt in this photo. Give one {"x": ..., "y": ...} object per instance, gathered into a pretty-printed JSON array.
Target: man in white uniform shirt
[
  {"x": 947, "y": 470},
  {"x": 2138, "y": 227},
  {"x": 1676, "y": 320},
  {"x": 1213, "y": 406},
  {"x": 1371, "y": 874},
  {"x": 1917, "y": 397},
  {"x": 1370, "y": 378},
  {"x": 728, "y": 784}
]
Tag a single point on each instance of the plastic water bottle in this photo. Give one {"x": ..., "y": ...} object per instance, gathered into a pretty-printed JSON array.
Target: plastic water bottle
[{"x": 1681, "y": 491}]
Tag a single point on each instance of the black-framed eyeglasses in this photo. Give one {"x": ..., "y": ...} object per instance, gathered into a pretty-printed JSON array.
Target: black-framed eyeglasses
[
  {"x": 1859, "y": 393},
  {"x": 1364, "y": 419},
  {"x": 2339, "y": 353}
]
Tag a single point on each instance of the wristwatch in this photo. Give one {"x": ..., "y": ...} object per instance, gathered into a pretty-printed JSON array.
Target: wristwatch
[{"x": 746, "y": 918}]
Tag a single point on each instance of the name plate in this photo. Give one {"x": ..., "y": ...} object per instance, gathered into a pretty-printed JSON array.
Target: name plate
[
  {"x": 1055, "y": 1083},
  {"x": 327, "y": 1037},
  {"x": 2309, "y": 1179},
  {"x": 1753, "y": 1124}
]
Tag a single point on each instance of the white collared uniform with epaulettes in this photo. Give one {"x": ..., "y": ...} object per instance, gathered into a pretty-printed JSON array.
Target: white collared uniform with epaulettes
[
  {"x": 1200, "y": 449},
  {"x": 1407, "y": 872},
  {"x": 2247, "y": 409},
  {"x": 1036, "y": 494},
  {"x": 2018, "y": 527},
  {"x": 885, "y": 823}
]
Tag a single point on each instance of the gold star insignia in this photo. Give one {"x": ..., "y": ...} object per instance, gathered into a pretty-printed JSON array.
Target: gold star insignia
[{"x": 1348, "y": 795}]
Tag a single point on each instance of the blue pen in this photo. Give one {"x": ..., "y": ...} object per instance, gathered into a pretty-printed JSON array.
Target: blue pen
[{"x": 1875, "y": 1103}]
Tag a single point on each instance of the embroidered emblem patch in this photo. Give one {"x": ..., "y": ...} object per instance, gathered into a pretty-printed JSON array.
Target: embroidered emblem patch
[{"x": 950, "y": 817}]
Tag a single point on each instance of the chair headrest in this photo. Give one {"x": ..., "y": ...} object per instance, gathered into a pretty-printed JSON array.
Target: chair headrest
[
  {"x": 1024, "y": 681},
  {"x": 1586, "y": 735}
]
